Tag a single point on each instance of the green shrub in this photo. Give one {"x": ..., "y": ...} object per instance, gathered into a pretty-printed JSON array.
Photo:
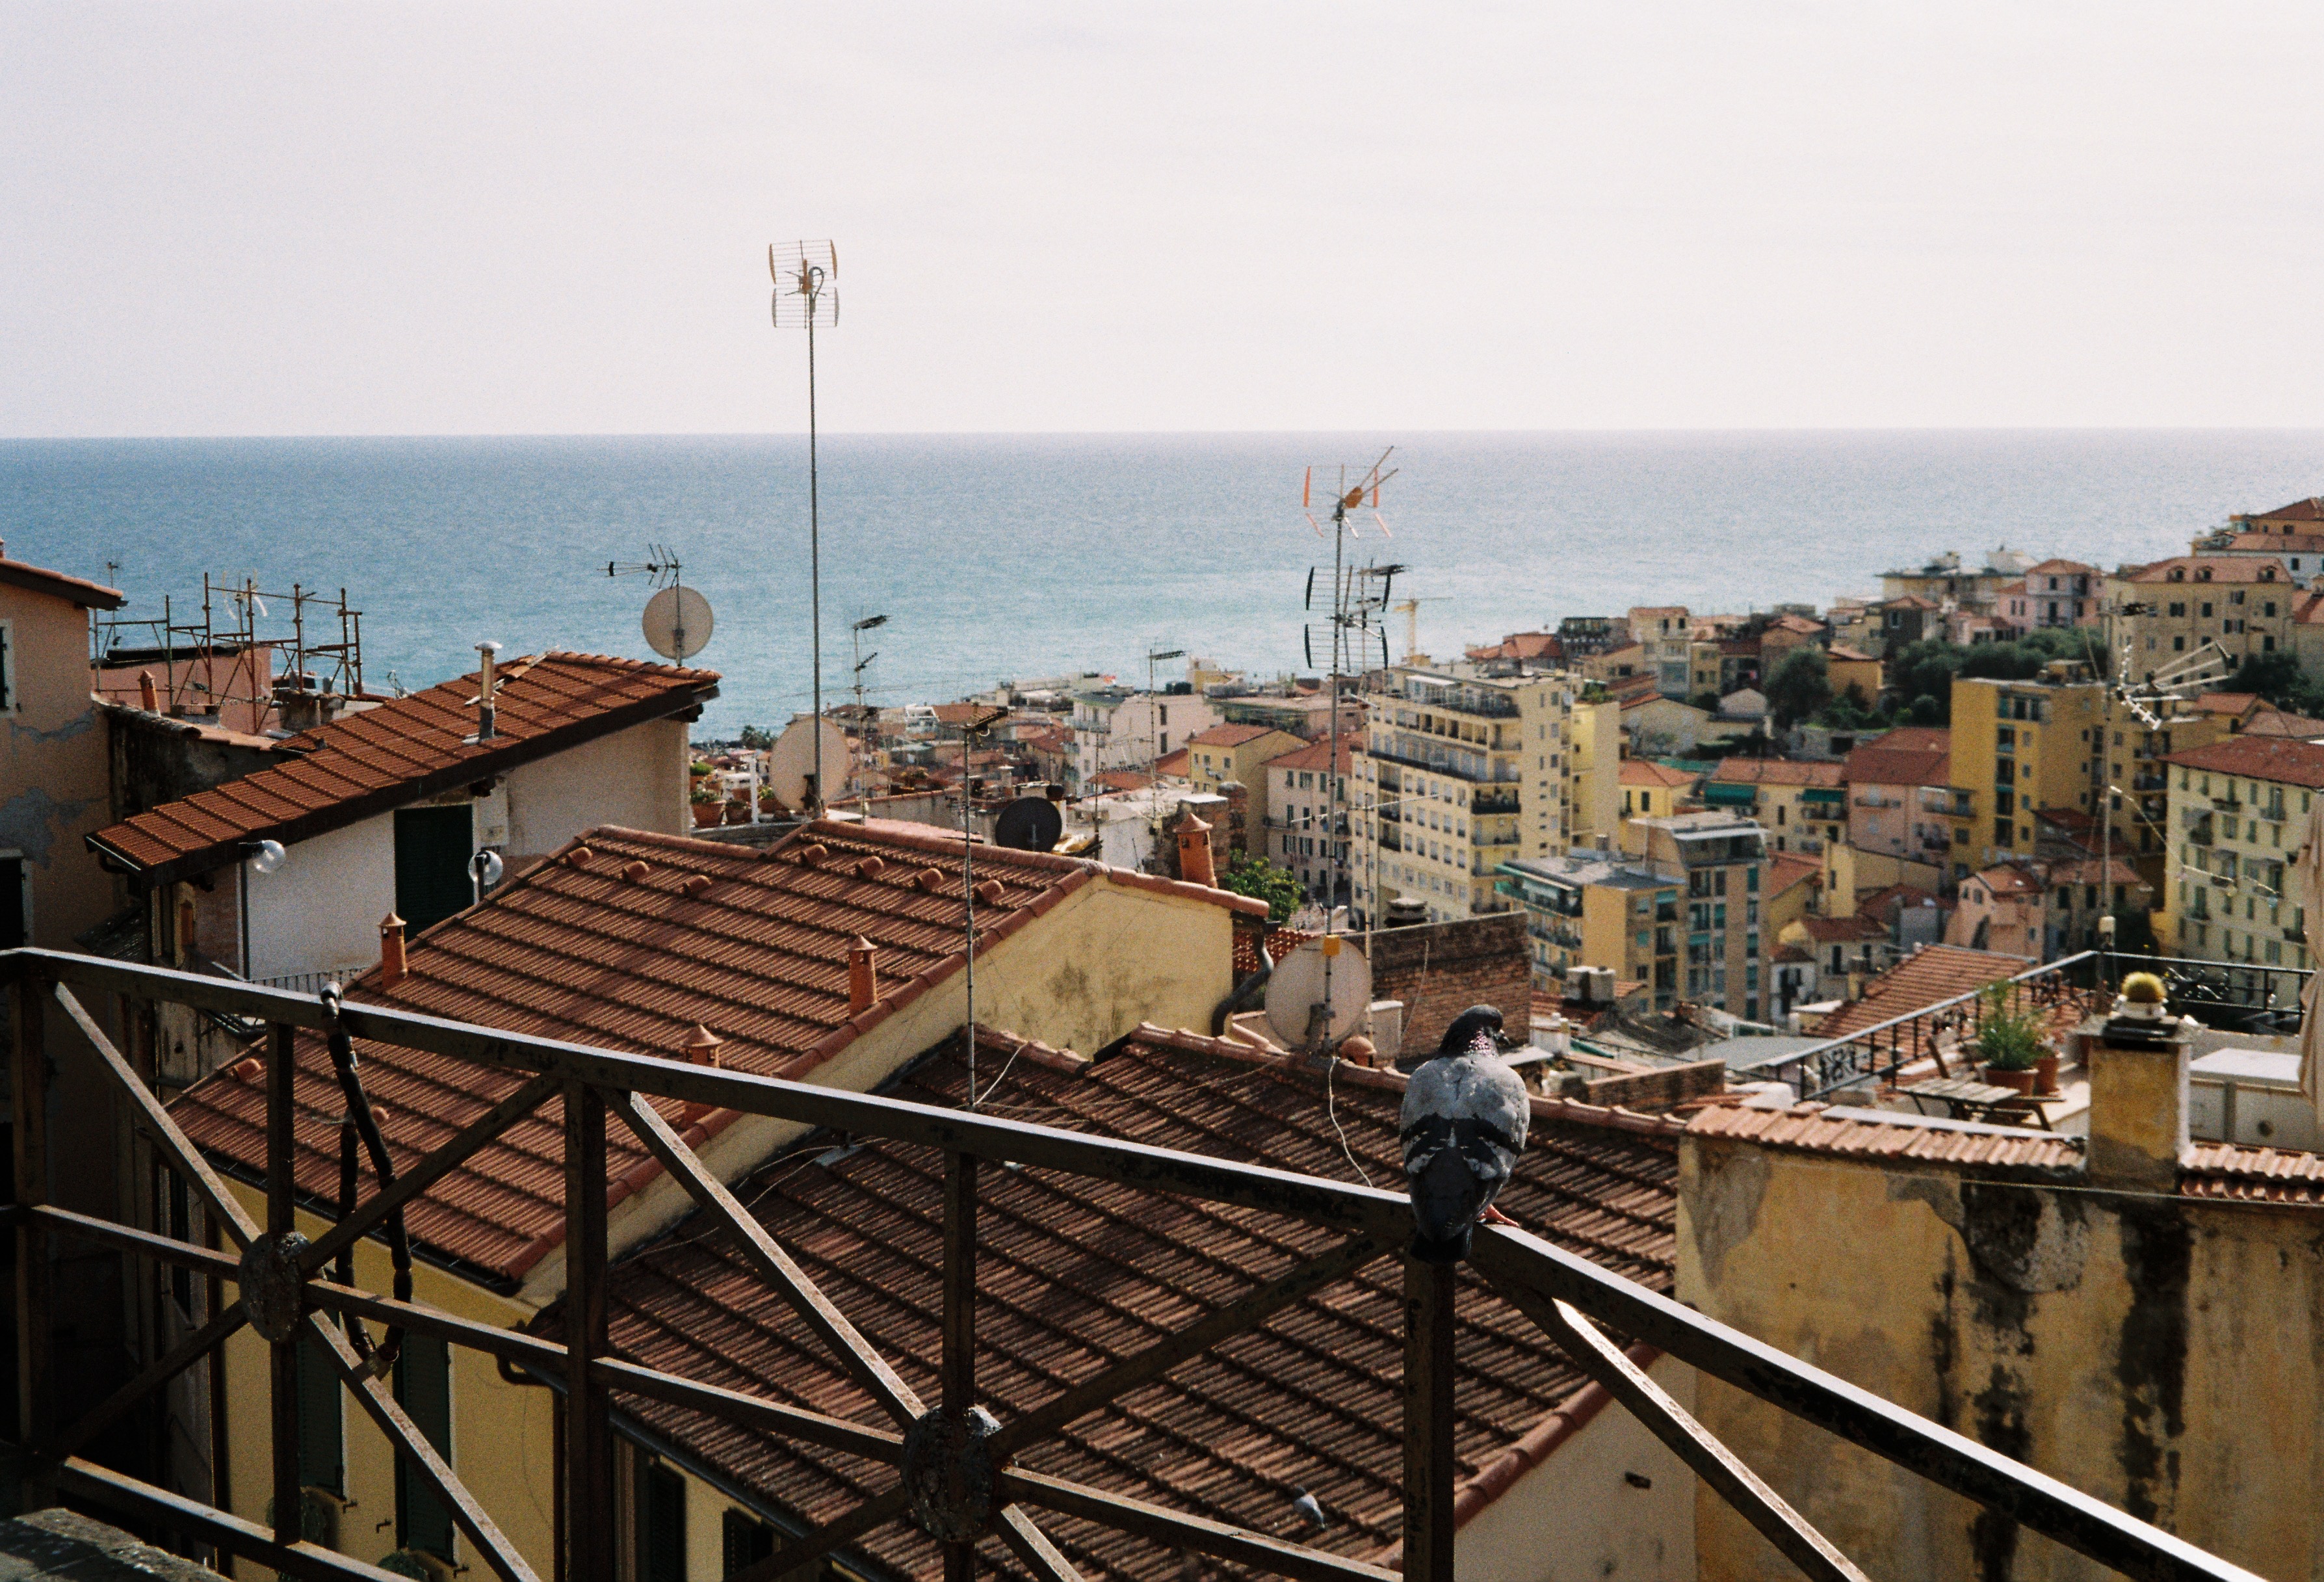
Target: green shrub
[{"x": 2007, "y": 1040}]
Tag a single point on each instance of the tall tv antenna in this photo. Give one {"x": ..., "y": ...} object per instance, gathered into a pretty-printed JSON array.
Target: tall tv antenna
[
  {"x": 2145, "y": 699},
  {"x": 856, "y": 630},
  {"x": 806, "y": 297},
  {"x": 1357, "y": 597}
]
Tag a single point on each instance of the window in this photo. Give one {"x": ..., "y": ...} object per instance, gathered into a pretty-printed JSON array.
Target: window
[
  {"x": 661, "y": 1524},
  {"x": 9, "y": 702},
  {"x": 747, "y": 1542},
  {"x": 423, "y": 1388}
]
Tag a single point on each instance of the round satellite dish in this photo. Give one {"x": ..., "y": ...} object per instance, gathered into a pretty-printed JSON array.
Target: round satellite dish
[
  {"x": 1029, "y": 824},
  {"x": 677, "y": 623},
  {"x": 791, "y": 761},
  {"x": 1295, "y": 988}
]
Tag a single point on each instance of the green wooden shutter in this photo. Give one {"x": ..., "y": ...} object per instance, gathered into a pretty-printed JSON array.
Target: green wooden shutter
[
  {"x": 433, "y": 848},
  {"x": 660, "y": 1523},
  {"x": 322, "y": 1452},
  {"x": 423, "y": 1388},
  {"x": 747, "y": 1542}
]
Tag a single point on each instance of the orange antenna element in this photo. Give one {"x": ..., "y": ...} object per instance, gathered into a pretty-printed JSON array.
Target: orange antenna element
[
  {"x": 1383, "y": 525},
  {"x": 1307, "y": 483},
  {"x": 1312, "y": 522}
]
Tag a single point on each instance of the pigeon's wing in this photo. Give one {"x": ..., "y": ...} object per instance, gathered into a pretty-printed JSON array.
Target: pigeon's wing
[{"x": 1430, "y": 1099}]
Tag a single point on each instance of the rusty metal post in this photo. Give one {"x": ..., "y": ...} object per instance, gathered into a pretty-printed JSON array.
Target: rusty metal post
[
  {"x": 221, "y": 1468},
  {"x": 282, "y": 1221},
  {"x": 35, "y": 1280},
  {"x": 1429, "y": 1421},
  {"x": 588, "y": 1407},
  {"x": 960, "y": 1318}
]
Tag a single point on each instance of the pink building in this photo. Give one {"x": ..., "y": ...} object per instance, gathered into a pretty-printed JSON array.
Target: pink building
[{"x": 2056, "y": 593}]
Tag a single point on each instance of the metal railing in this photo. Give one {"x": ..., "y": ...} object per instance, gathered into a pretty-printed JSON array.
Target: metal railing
[{"x": 956, "y": 1481}]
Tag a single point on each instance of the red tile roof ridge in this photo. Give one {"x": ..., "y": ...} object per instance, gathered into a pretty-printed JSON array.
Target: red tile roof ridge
[
  {"x": 911, "y": 835},
  {"x": 1536, "y": 1445},
  {"x": 77, "y": 590},
  {"x": 1815, "y": 1128},
  {"x": 2238, "y": 1174}
]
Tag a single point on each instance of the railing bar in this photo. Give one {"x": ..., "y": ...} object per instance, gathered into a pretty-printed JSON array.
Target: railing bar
[
  {"x": 155, "y": 1121},
  {"x": 404, "y": 1437},
  {"x": 874, "y": 1512},
  {"x": 588, "y": 1536},
  {"x": 226, "y": 1530},
  {"x": 958, "y": 1361},
  {"x": 282, "y": 1360},
  {"x": 1245, "y": 1312},
  {"x": 140, "y": 1242},
  {"x": 175, "y": 1361},
  {"x": 2030, "y": 1498},
  {"x": 485, "y": 1129},
  {"x": 1429, "y": 1521},
  {"x": 1688, "y": 1440},
  {"x": 766, "y": 1256},
  {"x": 35, "y": 1293},
  {"x": 1237, "y": 1545},
  {"x": 836, "y": 1433}
]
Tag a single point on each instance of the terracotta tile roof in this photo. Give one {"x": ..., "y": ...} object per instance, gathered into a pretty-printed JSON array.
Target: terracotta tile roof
[
  {"x": 1074, "y": 1274},
  {"x": 1877, "y": 904},
  {"x": 1777, "y": 772},
  {"x": 2277, "y": 543},
  {"x": 1646, "y": 772},
  {"x": 1875, "y": 1134},
  {"x": 2226, "y": 702},
  {"x": 1841, "y": 930},
  {"x": 1910, "y": 601},
  {"x": 1124, "y": 779},
  {"x": 88, "y": 594},
  {"x": 1521, "y": 645},
  {"x": 2063, "y": 568},
  {"x": 2251, "y": 1175},
  {"x": 2284, "y": 759},
  {"x": 2307, "y": 510},
  {"x": 1230, "y": 736},
  {"x": 577, "y": 948},
  {"x": 2308, "y": 611},
  {"x": 2277, "y": 721},
  {"x": 1918, "y": 738},
  {"x": 2009, "y": 879},
  {"x": 1847, "y": 655},
  {"x": 1790, "y": 869},
  {"x": 1173, "y": 764},
  {"x": 1316, "y": 755},
  {"x": 1801, "y": 625},
  {"x": 363, "y": 764},
  {"x": 1881, "y": 763},
  {"x": 1280, "y": 943},
  {"x": 1929, "y": 975},
  {"x": 2221, "y": 568}
]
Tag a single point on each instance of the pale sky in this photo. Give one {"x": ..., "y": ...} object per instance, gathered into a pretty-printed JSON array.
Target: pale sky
[{"x": 477, "y": 218}]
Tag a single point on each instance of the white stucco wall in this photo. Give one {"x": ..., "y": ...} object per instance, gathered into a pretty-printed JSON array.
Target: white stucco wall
[
  {"x": 320, "y": 910},
  {"x": 635, "y": 778},
  {"x": 1579, "y": 1514}
]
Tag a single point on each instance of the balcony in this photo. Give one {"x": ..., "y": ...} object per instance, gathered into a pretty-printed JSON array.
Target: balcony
[
  {"x": 1390, "y": 755},
  {"x": 1485, "y": 807}
]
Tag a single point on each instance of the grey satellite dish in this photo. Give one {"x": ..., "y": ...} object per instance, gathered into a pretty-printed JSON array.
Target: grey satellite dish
[
  {"x": 1029, "y": 824},
  {"x": 677, "y": 623},
  {"x": 791, "y": 761},
  {"x": 1295, "y": 988}
]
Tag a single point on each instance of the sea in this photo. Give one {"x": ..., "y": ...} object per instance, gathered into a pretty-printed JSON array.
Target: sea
[{"x": 1036, "y": 556}]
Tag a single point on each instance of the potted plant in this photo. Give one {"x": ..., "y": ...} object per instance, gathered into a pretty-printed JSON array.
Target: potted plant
[
  {"x": 709, "y": 807},
  {"x": 2012, "y": 1043}
]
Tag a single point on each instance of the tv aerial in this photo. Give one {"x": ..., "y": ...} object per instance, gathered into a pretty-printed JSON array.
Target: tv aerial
[
  {"x": 2176, "y": 682},
  {"x": 677, "y": 621},
  {"x": 1365, "y": 493}
]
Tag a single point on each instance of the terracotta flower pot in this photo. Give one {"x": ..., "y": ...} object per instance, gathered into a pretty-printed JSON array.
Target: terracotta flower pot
[
  {"x": 2017, "y": 1081},
  {"x": 708, "y": 814},
  {"x": 2045, "y": 1075}
]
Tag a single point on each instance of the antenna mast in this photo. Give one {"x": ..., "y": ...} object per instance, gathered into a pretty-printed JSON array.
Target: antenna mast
[
  {"x": 806, "y": 296},
  {"x": 862, "y": 719}
]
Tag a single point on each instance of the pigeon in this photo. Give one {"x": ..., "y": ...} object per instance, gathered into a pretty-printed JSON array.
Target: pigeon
[
  {"x": 1310, "y": 1509},
  {"x": 1464, "y": 1119}
]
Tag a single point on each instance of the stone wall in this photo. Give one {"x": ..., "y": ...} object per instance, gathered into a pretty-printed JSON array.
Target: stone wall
[{"x": 1441, "y": 970}]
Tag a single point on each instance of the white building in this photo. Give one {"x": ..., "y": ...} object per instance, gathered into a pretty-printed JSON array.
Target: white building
[
  {"x": 1117, "y": 728},
  {"x": 1300, "y": 837}
]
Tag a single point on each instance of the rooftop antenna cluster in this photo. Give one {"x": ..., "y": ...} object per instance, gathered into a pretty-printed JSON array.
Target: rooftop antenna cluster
[
  {"x": 678, "y": 620},
  {"x": 806, "y": 297}
]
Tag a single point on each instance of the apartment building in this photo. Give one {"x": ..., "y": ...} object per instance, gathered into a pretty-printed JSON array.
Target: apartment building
[
  {"x": 1654, "y": 790},
  {"x": 1667, "y": 633},
  {"x": 2019, "y": 746},
  {"x": 2237, "y": 810},
  {"x": 2056, "y": 593},
  {"x": 1595, "y": 764},
  {"x": 1115, "y": 727},
  {"x": 2293, "y": 534},
  {"x": 1803, "y": 807},
  {"x": 1238, "y": 755},
  {"x": 1300, "y": 797},
  {"x": 2172, "y": 607},
  {"x": 1456, "y": 776},
  {"x": 1900, "y": 796},
  {"x": 1592, "y": 908}
]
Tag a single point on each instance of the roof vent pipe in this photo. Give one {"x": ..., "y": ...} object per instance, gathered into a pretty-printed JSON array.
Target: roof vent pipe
[
  {"x": 391, "y": 966},
  {"x": 863, "y": 976},
  {"x": 484, "y": 692}
]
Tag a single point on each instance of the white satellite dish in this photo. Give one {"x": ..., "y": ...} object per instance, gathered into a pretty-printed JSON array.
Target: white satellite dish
[
  {"x": 791, "y": 761},
  {"x": 677, "y": 623},
  {"x": 1295, "y": 988}
]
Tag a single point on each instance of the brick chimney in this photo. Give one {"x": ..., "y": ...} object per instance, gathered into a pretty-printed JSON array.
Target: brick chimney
[
  {"x": 1195, "y": 851},
  {"x": 391, "y": 969},
  {"x": 863, "y": 976},
  {"x": 2139, "y": 1107}
]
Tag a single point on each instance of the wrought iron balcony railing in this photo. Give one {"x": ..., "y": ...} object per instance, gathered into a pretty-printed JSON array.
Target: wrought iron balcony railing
[{"x": 957, "y": 1481}]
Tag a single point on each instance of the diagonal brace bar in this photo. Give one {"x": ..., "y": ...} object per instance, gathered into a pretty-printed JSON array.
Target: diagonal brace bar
[
  {"x": 422, "y": 1458},
  {"x": 1236, "y": 1545},
  {"x": 1029, "y": 1544},
  {"x": 872, "y": 1514},
  {"x": 855, "y": 1354},
  {"x": 155, "y": 1121},
  {"x": 1815, "y": 1555},
  {"x": 425, "y": 1174},
  {"x": 1245, "y": 1312}
]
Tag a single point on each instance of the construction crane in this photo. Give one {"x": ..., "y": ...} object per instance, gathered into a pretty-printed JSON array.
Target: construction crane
[{"x": 1410, "y": 610}]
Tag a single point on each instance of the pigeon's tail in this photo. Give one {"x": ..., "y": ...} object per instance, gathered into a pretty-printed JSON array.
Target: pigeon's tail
[{"x": 1446, "y": 1198}]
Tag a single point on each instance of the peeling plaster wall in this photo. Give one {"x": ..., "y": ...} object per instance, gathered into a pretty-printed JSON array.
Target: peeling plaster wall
[{"x": 2163, "y": 1353}]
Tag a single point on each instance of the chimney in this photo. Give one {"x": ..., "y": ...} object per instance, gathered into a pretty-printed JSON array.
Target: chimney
[
  {"x": 1195, "y": 851},
  {"x": 2138, "y": 1104},
  {"x": 149, "y": 697},
  {"x": 390, "y": 951},
  {"x": 701, "y": 1046},
  {"x": 485, "y": 697},
  {"x": 863, "y": 976}
]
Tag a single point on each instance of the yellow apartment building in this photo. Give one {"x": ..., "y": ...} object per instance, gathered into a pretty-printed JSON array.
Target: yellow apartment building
[
  {"x": 1654, "y": 790},
  {"x": 2171, "y": 608},
  {"x": 1457, "y": 776},
  {"x": 1803, "y": 807},
  {"x": 2019, "y": 746},
  {"x": 1593, "y": 799},
  {"x": 1239, "y": 754},
  {"x": 2237, "y": 810},
  {"x": 1592, "y": 908}
]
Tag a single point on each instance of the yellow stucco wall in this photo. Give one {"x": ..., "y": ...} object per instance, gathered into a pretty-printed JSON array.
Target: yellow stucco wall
[{"x": 2163, "y": 1354}]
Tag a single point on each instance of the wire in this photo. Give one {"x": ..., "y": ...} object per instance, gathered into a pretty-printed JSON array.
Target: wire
[{"x": 1332, "y": 1113}]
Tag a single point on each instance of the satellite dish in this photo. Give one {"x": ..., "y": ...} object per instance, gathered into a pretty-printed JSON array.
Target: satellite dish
[
  {"x": 1029, "y": 824},
  {"x": 791, "y": 761},
  {"x": 1295, "y": 988},
  {"x": 677, "y": 623}
]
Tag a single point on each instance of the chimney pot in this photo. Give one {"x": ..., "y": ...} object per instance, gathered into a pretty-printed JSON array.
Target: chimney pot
[
  {"x": 484, "y": 692},
  {"x": 863, "y": 976},
  {"x": 149, "y": 695},
  {"x": 701, "y": 1046},
  {"x": 1194, "y": 865},
  {"x": 392, "y": 964},
  {"x": 2138, "y": 1110}
]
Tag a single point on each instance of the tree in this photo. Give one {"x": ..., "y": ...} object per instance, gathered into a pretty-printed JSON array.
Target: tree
[
  {"x": 2279, "y": 678},
  {"x": 754, "y": 737},
  {"x": 1925, "y": 671},
  {"x": 1263, "y": 880},
  {"x": 1800, "y": 687}
]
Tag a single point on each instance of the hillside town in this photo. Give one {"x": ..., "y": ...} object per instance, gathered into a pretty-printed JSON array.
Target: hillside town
[{"x": 1816, "y": 938}]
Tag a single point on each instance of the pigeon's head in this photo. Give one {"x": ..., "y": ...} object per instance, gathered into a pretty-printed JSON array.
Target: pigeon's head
[{"x": 1477, "y": 1022}]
